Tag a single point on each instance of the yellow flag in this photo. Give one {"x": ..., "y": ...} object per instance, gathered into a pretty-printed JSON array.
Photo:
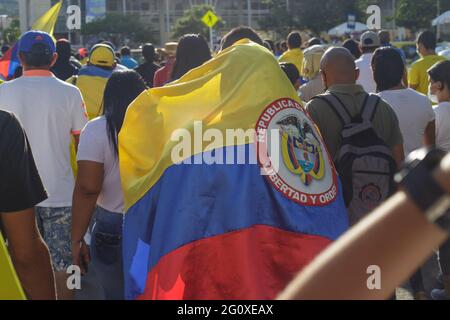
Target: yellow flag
[
  {"x": 229, "y": 91},
  {"x": 47, "y": 21},
  {"x": 10, "y": 288}
]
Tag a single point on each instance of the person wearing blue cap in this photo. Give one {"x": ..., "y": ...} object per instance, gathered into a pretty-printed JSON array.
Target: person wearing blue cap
[{"x": 51, "y": 112}]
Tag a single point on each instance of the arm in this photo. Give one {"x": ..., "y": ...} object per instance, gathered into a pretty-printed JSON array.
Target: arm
[
  {"x": 341, "y": 271},
  {"x": 413, "y": 78},
  {"x": 430, "y": 134},
  {"x": 399, "y": 155},
  {"x": 405, "y": 77},
  {"x": 29, "y": 254},
  {"x": 87, "y": 188}
]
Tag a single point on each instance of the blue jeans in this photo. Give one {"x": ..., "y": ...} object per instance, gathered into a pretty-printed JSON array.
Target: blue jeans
[{"x": 106, "y": 253}]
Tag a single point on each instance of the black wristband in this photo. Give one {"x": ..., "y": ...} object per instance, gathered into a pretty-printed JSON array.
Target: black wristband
[
  {"x": 422, "y": 187},
  {"x": 417, "y": 180}
]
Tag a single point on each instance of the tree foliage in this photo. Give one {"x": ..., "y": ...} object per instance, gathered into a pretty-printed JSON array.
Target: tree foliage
[
  {"x": 191, "y": 22},
  {"x": 12, "y": 33},
  {"x": 280, "y": 19},
  {"x": 419, "y": 14},
  {"x": 118, "y": 25},
  {"x": 325, "y": 14}
]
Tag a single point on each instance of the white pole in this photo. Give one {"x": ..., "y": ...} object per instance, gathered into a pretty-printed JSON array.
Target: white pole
[
  {"x": 211, "y": 39},
  {"x": 438, "y": 14},
  {"x": 167, "y": 17},
  {"x": 249, "y": 13},
  {"x": 124, "y": 6}
]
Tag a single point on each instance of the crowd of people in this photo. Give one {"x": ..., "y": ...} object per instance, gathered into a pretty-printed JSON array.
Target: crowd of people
[{"x": 61, "y": 115}]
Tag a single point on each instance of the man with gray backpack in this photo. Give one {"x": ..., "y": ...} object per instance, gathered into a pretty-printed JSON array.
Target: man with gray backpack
[{"x": 361, "y": 132}]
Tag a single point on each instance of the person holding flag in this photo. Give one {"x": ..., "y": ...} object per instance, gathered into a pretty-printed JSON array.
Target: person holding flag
[{"x": 207, "y": 222}]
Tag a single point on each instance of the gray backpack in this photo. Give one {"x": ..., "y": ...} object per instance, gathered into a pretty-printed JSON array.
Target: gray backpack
[{"x": 364, "y": 162}]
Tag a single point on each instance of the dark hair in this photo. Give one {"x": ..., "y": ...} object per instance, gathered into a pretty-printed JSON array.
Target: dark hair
[
  {"x": 240, "y": 33},
  {"x": 314, "y": 41},
  {"x": 283, "y": 45},
  {"x": 291, "y": 71},
  {"x": 192, "y": 52},
  {"x": 388, "y": 68},
  {"x": 441, "y": 72},
  {"x": 352, "y": 46},
  {"x": 271, "y": 44},
  {"x": 427, "y": 39},
  {"x": 5, "y": 48},
  {"x": 125, "y": 51},
  {"x": 294, "y": 40},
  {"x": 37, "y": 60},
  {"x": 120, "y": 90},
  {"x": 64, "y": 50},
  {"x": 148, "y": 52}
]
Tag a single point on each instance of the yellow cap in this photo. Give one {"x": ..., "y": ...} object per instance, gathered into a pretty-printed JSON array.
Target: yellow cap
[{"x": 102, "y": 55}]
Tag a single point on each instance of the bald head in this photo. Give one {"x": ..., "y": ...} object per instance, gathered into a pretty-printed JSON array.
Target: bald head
[{"x": 338, "y": 67}]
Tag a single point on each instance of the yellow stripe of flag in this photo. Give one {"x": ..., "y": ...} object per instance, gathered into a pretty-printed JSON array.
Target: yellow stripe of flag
[{"x": 228, "y": 92}]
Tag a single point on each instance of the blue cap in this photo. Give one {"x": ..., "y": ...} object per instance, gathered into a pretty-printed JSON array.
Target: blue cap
[{"x": 37, "y": 42}]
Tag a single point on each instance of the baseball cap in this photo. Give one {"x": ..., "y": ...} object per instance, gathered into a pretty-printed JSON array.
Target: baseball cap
[
  {"x": 102, "y": 55},
  {"x": 370, "y": 39},
  {"x": 38, "y": 42}
]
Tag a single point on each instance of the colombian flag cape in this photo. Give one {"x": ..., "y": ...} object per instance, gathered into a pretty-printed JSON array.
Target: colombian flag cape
[
  {"x": 10, "y": 61},
  {"x": 204, "y": 219}
]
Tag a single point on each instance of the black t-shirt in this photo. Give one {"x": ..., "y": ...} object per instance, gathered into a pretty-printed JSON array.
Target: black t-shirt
[
  {"x": 147, "y": 71},
  {"x": 20, "y": 184}
]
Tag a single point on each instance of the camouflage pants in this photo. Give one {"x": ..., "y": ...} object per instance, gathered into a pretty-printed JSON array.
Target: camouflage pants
[{"x": 55, "y": 227}]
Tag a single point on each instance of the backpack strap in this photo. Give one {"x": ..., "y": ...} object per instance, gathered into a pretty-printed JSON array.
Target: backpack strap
[
  {"x": 337, "y": 106},
  {"x": 370, "y": 107}
]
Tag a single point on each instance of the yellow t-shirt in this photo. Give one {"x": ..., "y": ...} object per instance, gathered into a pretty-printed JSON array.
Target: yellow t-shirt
[
  {"x": 418, "y": 75},
  {"x": 294, "y": 56}
]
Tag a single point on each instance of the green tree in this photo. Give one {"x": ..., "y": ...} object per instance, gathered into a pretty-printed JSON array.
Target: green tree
[
  {"x": 315, "y": 15},
  {"x": 280, "y": 20},
  {"x": 12, "y": 33},
  {"x": 119, "y": 26},
  {"x": 191, "y": 22},
  {"x": 418, "y": 14}
]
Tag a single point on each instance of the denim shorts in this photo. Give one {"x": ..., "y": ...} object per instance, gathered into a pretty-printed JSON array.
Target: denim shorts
[
  {"x": 55, "y": 227},
  {"x": 106, "y": 252}
]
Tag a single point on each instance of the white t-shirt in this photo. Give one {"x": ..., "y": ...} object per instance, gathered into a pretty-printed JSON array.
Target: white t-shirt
[
  {"x": 365, "y": 73},
  {"x": 50, "y": 110},
  {"x": 95, "y": 146},
  {"x": 414, "y": 112},
  {"x": 442, "y": 111}
]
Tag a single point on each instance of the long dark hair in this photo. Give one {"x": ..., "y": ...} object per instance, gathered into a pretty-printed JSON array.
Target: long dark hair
[
  {"x": 121, "y": 89},
  {"x": 192, "y": 52}
]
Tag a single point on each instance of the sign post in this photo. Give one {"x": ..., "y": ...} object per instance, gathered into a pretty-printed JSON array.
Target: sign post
[{"x": 210, "y": 19}]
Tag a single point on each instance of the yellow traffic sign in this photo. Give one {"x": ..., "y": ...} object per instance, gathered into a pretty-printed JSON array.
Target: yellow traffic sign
[{"x": 210, "y": 19}]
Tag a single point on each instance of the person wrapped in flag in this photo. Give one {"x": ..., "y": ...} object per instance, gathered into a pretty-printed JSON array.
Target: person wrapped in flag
[{"x": 204, "y": 221}]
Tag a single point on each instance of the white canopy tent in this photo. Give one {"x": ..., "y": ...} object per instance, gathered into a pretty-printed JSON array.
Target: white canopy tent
[
  {"x": 442, "y": 19},
  {"x": 343, "y": 29}
]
